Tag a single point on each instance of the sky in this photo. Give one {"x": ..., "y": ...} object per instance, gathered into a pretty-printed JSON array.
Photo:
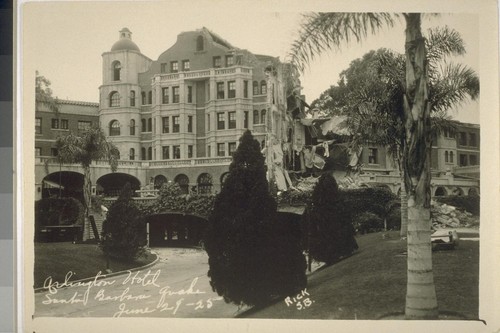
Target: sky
[{"x": 66, "y": 40}]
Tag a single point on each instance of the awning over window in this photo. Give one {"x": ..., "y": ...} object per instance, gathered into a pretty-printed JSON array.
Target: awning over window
[{"x": 50, "y": 184}]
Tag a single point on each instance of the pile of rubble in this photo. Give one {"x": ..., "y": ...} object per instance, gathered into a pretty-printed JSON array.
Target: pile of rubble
[{"x": 446, "y": 216}]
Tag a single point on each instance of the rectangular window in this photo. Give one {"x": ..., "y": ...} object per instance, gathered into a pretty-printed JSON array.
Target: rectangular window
[
  {"x": 132, "y": 98},
  {"x": 231, "y": 148},
  {"x": 217, "y": 62},
  {"x": 54, "y": 152},
  {"x": 164, "y": 68},
  {"x": 38, "y": 151},
  {"x": 229, "y": 60},
  {"x": 231, "y": 89},
  {"x": 165, "y": 98},
  {"x": 150, "y": 97},
  {"x": 221, "y": 121},
  {"x": 165, "y": 152},
  {"x": 472, "y": 140},
  {"x": 221, "y": 149},
  {"x": 84, "y": 126},
  {"x": 190, "y": 151},
  {"x": 176, "y": 124},
  {"x": 208, "y": 122},
  {"x": 245, "y": 89},
  {"x": 209, "y": 151},
  {"x": 177, "y": 152},
  {"x": 55, "y": 124},
  {"x": 462, "y": 138},
  {"x": 165, "y": 125},
  {"x": 463, "y": 160},
  {"x": 150, "y": 125},
  {"x": 175, "y": 94},
  {"x": 245, "y": 120},
  {"x": 143, "y": 98},
  {"x": 190, "y": 124},
  {"x": 174, "y": 66},
  {"x": 38, "y": 125},
  {"x": 185, "y": 65},
  {"x": 190, "y": 94},
  {"x": 64, "y": 124},
  {"x": 220, "y": 90},
  {"x": 372, "y": 156},
  {"x": 473, "y": 160},
  {"x": 232, "y": 119}
]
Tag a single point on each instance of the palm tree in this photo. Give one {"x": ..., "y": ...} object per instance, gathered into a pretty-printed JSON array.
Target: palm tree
[
  {"x": 322, "y": 31},
  {"x": 91, "y": 146}
]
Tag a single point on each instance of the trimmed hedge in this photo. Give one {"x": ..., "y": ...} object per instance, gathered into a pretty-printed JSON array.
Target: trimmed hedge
[
  {"x": 469, "y": 203},
  {"x": 58, "y": 211},
  {"x": 331, "y": 233}
]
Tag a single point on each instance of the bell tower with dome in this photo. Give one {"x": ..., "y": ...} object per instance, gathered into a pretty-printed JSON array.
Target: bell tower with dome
[{"x": 119, "y": 95}]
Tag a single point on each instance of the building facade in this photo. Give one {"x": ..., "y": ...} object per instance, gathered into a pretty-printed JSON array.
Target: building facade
[{"x": 177, "y": 118}]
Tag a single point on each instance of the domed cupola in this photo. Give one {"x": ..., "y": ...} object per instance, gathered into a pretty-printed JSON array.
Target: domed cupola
[{"x": 125, "y": 42}]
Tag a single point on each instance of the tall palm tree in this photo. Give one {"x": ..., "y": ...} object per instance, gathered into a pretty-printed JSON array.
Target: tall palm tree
[
  {"x": 90, "y": 146},
  {"x": 322, "y": 31}
]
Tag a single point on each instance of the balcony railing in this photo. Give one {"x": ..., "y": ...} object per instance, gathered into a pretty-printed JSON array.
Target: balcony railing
[
  {"x": 145, "y": 164},
  {"x": 206, "y": 73}
]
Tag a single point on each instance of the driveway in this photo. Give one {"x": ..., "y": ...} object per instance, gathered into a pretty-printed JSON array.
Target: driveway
[{"x": 177, "y": 286}]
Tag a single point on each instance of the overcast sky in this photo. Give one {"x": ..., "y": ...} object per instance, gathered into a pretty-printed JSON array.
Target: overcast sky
[{"x": 66, "y": 40}]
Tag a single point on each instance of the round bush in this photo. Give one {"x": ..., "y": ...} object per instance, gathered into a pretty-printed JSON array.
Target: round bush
[{"x": 368, "y": 222}]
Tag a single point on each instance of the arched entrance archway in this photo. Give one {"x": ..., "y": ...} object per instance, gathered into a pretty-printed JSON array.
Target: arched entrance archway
[
  {"x": 111, "y": 184},
  {"x": 175, "y": 229},
  {"x": 183, "y": 181},
  {"x": 159, "y": 181},
  {"x": 473, "y": 191},
  {"x": 63, "y": 184},
  {"x": 440, "y": 192},
  {"x": 458, "y": 191},
  {"x": 205, "y": 183}
]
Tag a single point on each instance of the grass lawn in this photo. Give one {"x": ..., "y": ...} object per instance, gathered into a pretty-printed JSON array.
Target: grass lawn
[
  {"x": 85, "y": 260},
  {"x": 372, "y": 283}
]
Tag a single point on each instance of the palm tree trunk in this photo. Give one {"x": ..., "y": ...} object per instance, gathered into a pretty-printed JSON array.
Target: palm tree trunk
[
  {"x": 87, "y": 189},
  {"x": 421, "y": 301},
  {"x": 404, "y": 209}
]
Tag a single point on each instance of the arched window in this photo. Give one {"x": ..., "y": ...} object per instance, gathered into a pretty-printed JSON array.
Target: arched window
[
  {"x": 150, "y": 153},
  {"x": 117, "y": 67},
  {"x": 132, "y": 97},
  {"x": 132, "y": 127},
  {"x": 114, "y": 99},
  {"x": 263, "y": 87},
  {"x": 256, "y": 117},
  {"x": 263, "y": 116},
  {"x": 114, "y": 128},
  {"x": 204, "y": 183},
  {"x": 446, "y": 156},
  {"x": 440, "y": 191},
  {"x": 451, "y": 157},
  {"x": 223, "y": 177},
  {"x": 255, "y": 87},
  {"x": 183, "y": 182},
  {"x": 199, "y": 43},
  {"x": 143, "y": 153},
  {"x": 132, "y": 154}
]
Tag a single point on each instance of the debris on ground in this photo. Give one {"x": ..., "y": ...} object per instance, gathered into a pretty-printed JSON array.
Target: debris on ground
[{"x": 446, "y": 216}]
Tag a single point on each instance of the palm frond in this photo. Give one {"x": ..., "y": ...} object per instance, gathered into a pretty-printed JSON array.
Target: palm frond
[
  {"x": 453, "y": 85},
  {"x": 327, "y": 31}
]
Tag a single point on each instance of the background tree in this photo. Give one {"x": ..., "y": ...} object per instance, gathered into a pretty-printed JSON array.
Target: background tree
[
  {"x": 323, "y": 31},
  {"x": 370, "y": 95},
  {"x": 331, "y": 233},
  {"x": 252, "y": 256},
  {"x": 44, "y": 94},
  {"x": 90, "y": 146},
  {"x": 124, "y": 230}
]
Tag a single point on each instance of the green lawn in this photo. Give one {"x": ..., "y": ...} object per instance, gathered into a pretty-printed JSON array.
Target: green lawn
[
  {"x": 85, "y": 260},
  {"x": 372, "y": 283}
]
